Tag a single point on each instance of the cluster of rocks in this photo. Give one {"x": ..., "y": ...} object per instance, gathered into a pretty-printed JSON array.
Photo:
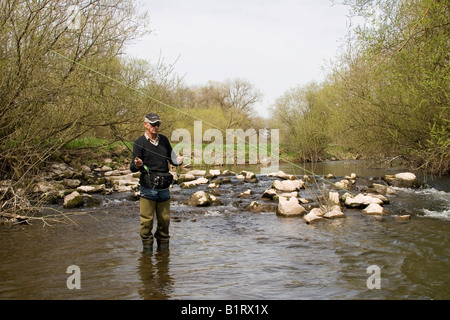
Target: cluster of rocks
[
  {"x": 283, "y": 196},
  {"x": 75, "y": 188}
]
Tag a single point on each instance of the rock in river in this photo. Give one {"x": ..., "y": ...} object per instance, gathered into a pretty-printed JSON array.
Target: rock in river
[
  {"x": 290, "y": 207},
  {"x": 288, "y": 185},
  {"x": 334, "y": 213},
  {"x": 73, "y": 200},
  {"x": 193, "y": 183},
  {"x": 403, "y": 180},
  {"x": 256, "y": 206},
  {"x": 203, "y": 199},
  {"x": 314, "y": 215},
  {"x": 360, "y": 200},
  {"x": 375, "y": 209}
]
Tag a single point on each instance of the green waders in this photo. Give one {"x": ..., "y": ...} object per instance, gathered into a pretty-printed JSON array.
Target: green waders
[{"x": 147, "y": 209}]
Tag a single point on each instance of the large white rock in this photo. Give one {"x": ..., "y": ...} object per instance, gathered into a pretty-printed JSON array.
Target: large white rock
[
  {"x": 290, "y": 207},
  {"x": 92, "y": 188},
  {"x": 282, "y": 175},
  {"x": 313, "y": 216},
  {"x": 375, "y": 209},
  {"x": 193, "y": 183},
  {"x": 214, "y": 172},
  {"x": 403, "y": 180},
  {"x": 361, "y": 200},
  {"x": 343, "y": 184},
  {"x": 186, "y": 177},
  {"x": 335, "y": 212},
  {"x": 333, "y": 197},
  {"x": 198, "y": 173},
  {"x": 248, "y": 176},
  {"x": 405, "y": 176},
  {"x": 288, "y": 185}
]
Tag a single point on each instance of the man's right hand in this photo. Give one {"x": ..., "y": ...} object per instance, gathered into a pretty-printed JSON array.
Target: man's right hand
[{"x": 138, "y": 163}]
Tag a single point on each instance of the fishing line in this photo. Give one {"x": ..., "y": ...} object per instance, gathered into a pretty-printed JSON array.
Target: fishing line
[{"x": 175, "y": 109}]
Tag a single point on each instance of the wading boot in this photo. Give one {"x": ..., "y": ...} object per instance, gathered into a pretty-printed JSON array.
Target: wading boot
[
  {"x": 147, "y": 249},
  {"x": 163, "y": 246}
]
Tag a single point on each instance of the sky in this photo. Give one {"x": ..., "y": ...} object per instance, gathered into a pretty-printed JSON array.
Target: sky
[{"x": 274, "y": 45}]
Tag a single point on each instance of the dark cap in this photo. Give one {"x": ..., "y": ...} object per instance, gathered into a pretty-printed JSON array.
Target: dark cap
[{"x": 152, "y": 118}]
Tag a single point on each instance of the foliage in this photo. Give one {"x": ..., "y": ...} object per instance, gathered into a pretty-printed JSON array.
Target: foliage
[
  {"x": 302, "y": 118},
  {"x": 387, "y": 93},
  {"x": 47, "y": 100}
]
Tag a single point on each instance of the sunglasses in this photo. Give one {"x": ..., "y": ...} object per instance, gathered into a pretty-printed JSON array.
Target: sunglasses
[{"x": 156, "y": 124}]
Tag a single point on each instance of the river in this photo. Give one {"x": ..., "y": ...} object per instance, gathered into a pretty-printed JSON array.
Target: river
[{"x": 226, "y": 252}]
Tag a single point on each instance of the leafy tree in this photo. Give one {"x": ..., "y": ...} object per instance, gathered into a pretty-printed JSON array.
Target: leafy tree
[
  {"x": 46, "y": 97},
  {"x": 392, "y": 82},
  {"x": 302, "y": 116}
]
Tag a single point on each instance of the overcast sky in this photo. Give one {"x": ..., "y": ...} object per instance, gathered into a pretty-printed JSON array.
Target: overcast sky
[{"x": 275, "y": 45}]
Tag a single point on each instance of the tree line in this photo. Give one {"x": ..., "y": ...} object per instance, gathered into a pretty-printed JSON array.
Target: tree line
[{"x": 386, "y": 95}]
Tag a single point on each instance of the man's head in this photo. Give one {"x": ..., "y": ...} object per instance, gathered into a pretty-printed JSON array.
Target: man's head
[{"x": 152, "y": 123}]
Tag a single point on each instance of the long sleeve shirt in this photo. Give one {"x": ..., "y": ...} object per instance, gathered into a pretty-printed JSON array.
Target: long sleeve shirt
[{"x": 156, "y": 156}]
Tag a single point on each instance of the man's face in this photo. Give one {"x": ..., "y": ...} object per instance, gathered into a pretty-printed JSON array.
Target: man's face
[{"x": 152, "y": 129}]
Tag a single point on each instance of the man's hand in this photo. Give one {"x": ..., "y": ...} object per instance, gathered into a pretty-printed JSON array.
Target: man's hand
[
  {"x": 138, "y": 163},
  {"x": 180, "y": 159}
]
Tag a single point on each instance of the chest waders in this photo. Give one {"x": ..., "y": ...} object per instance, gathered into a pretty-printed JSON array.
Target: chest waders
[{"x": 148, "y": 209}]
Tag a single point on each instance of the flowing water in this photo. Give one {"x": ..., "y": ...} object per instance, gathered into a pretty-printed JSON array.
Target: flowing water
[{"x": 226, "y": 252}]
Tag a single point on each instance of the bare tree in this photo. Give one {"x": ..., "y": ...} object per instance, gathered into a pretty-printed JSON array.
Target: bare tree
[{"x": 236, "y": 98}]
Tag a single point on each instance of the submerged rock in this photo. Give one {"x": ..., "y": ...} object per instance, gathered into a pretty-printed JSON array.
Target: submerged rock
[
  {"x": 403, "y": 218},
  {"x": 260, "y": 207},
  {"x": 382, "y": 189}
]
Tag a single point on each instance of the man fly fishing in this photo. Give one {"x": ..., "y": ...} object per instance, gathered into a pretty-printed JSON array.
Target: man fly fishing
[{"x": 152, "y": 154}]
